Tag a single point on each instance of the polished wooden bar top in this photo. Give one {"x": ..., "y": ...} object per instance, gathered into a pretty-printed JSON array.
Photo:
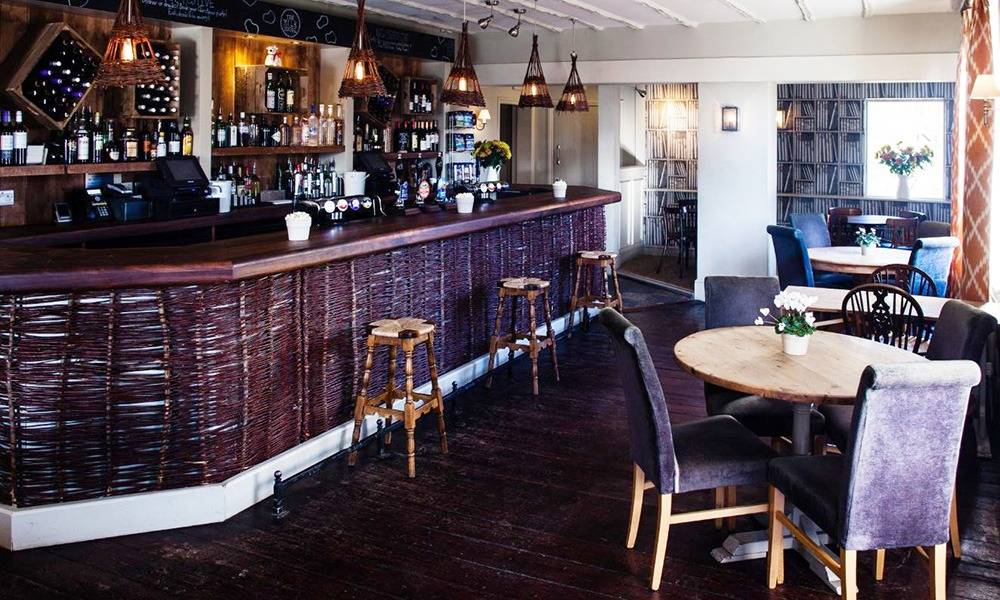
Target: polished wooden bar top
[{"x": 25, "y": 268}]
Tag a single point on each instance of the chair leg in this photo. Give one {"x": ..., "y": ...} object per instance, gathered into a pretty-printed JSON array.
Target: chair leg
[
  {"x": 936, "y": 567},
  {"x": 436, "y": 393},
  {"x": 879, "y": 564},
  {"x": 731, "y": 501},
  {"x": 849, "y": 574},
  {"x": 638, "y": 487},
  {"x": 409, "y": 419},
  {"x": 819, "y": 445},
  {"x": 660, "y": 547},
  {"x": 956, "y": 539},
  {"x": 720, "y": 502},
  {"x": 775, "y": 538},
  {"x": 549, "y": 333},
  {"x": 494, "y": 341}
]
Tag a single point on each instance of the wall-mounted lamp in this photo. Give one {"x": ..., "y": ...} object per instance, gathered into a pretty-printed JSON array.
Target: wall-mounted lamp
[
  {"x": 985, "y": 89},
  {"x": 730, "y": 118},
  {"x": 781, "y": 117},
  {"x": 482, "y": 118}
]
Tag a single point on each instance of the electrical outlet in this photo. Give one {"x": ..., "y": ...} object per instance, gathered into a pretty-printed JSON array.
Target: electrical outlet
[{"x": 6, "y": 197}]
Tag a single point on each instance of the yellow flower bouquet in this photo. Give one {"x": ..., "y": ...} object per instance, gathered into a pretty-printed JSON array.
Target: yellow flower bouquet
[{"x": 491, "y": 153}]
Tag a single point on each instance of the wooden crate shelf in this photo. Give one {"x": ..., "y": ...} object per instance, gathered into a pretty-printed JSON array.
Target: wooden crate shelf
[{"x": 275, "y": 151}]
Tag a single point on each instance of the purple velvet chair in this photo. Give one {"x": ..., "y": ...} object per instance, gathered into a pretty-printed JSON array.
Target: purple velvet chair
[
  {"x": 893, "y": 487},
  {"x": 736, "y": 302},
  {"x": 712, "y": 453}
]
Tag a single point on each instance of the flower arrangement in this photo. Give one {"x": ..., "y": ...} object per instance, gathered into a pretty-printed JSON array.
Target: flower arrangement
[
  {"x": 491, "y": 153},
  {"x": 904, "y": 160},
  {"x": 867, "y": 237},
  {"x": 793, "y": 317}
]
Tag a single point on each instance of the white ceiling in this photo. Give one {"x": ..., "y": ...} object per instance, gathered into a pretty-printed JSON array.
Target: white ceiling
[{"x": 555, "y": 15}]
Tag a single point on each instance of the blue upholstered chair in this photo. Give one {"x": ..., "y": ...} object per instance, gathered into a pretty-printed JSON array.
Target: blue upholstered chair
[
  {"x": 893, "y": 488},
  {"x": 933, "y": 256},
  {"x": 813, "y": 228},
  {"x": 961, "y": 333},
  {"x": 734, "y": 302},
  {"x": 792, "y": 259},
  {"x": 712, "y": 453}
]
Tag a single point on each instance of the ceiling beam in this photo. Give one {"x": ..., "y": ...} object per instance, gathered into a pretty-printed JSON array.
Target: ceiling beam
[
  {"x": 396, "y": 15},
  {"x": 606, "y": 14},
  {"x": 866, "y": 8},
  {"x": 804, "y": 9},
  {"x": 439, "y": 11},
  {"x": 743, "y": 10},
  {"x": 526, "y": 19},
  {"x": 555, "y": 13},
  {"x": 666, "y": 12}
]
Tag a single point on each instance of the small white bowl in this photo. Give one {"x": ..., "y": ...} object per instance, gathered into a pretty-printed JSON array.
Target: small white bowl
[
  {"x": 559, "y": 189},
  {"x": 298, "y": 224},
  {"x": 465, "y": 202}
]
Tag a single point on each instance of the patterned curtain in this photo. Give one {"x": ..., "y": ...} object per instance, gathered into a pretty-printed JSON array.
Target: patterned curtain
[{"x": 972, "y": 167}]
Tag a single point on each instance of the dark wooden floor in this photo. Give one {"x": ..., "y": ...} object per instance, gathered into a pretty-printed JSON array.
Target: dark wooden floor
[{"x": 531, "y": 503}]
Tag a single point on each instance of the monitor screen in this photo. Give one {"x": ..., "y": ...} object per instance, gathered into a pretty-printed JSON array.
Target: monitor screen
[
  {"x": 374, "y": 162},
  {"x": 183, "y": 170}
]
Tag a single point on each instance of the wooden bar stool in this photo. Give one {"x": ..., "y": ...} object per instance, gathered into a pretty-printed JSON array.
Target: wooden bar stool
[
  {"x": 590, "y": 260},
  {"x": 406, "y": 333},
  {"x": 529, "y": 288}
]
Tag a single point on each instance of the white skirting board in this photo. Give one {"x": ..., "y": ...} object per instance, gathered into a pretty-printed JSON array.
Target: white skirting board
[{"x": 66, "y": 522}]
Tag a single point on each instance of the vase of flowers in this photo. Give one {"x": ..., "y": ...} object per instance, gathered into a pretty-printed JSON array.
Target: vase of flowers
[
  {"x": 867, "y": 239},
  {"x": 794, "y": 322},
  {"x": 491, "y": 155},
  {"x": 903, "y": 161}
]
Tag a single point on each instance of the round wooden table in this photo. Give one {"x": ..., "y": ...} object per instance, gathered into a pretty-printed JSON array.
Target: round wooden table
[
  {"x": 868, "y": 220},
  {"x": 848, "y": 259},
  {"x": 750, "y": 360}
]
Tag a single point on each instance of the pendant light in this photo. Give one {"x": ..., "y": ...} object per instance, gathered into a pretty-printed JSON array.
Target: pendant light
[
  {"x": 128, "y": 59},
  {"x": 361, "y": 76},
  {"x": 574, "y": 96},
  {"x": 462, "y": 85},
  {"x": 534, "y": 90}
]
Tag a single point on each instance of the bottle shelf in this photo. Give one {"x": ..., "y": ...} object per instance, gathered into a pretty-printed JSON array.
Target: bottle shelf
[
  {"x": 276, "y": 150},
  {"x": 410, "y": 155},
  {"x": 76, "y": 169}
]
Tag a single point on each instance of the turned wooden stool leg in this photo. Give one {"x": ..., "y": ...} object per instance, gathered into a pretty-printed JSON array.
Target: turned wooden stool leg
[
  {"x": 390, "y": 390},
  {"x": 436, "y": 393},
  {"x": 533, "y": 341},
  {"x": 362, "y": 400},
  {"x": 548, "y": 332},
  {"x": 494, "y": 340},
  {"x": 515, "y": 301},
  {"x": 409, "y": 420},
  {"x": 574, "y": 299},
  {"x": 618, "y": 289},
  {"x": 587, "y": 293}
]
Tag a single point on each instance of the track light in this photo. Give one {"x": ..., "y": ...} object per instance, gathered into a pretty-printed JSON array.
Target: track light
[
  {"x": 486, "y": 21},
  {"x": 516, "y": 29}
]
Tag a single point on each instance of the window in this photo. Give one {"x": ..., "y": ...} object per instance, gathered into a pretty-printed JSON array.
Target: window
[{"x": 915, "y": 122}]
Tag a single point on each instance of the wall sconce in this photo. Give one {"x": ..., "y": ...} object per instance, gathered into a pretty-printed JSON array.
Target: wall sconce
[
  {"x": 985, "y": 89},
  {"x": 730, "y": 118},
  {"x": 482, "y": 118},
  {"x": 782, "y": 118}
]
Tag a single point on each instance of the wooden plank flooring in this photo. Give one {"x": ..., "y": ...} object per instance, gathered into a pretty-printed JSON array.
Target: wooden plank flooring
[{"x": 531, "y": 503}]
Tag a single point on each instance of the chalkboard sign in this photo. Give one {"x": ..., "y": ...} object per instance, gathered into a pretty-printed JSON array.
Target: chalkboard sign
[{"x": 266, "y": 18}]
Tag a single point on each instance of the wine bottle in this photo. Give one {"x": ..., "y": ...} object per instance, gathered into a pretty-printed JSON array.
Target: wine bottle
[
  {"x": 99, "y": 140},
  {"x": 6, "y": 140},
  {"x": 174, "y": 142},
  {"x": 270, "y": 92},
  {"x": 289, "y": 94},
  {"x": 131, "y": 145},
  {"x": 83, "y": 138},
  {"x": 20, "y": 140}
]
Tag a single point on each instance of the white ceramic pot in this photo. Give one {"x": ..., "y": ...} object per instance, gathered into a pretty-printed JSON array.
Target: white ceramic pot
[
  {"x": 903, "y": 189},
  {"x": 298, "y": 225},
  {"x": 559, "y": 189},
  {"x": 489, "y": 174},
  {"x": 354, "y": 183},
  {"x": 866, "y": 250},
  {"x": 795, "y": 345},
  {"x": 465, "y": 202}
]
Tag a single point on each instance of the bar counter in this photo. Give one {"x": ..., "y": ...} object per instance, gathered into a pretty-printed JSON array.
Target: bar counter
[{"x": 145, "y": 369}]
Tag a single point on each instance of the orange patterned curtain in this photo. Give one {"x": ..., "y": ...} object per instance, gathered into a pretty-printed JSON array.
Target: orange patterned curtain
[{"x": 972, "y": 167}]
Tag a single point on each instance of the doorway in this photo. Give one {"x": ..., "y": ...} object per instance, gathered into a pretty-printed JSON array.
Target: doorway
[{"x": 545, "y": 145}]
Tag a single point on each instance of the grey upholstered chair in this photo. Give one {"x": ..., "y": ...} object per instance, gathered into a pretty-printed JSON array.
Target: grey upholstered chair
[
  {"x": 893, "y": 487},
  {"x": 735, "y": 302},
  {"x": 961, "y": 333},
  {"x": 928, "y": 229},
  {"x": 712, "y": 453},
  {"x": 813, "y": 227}
]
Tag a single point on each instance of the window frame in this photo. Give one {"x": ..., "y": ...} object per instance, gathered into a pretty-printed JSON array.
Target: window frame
[{"x": 946, "y": 180}]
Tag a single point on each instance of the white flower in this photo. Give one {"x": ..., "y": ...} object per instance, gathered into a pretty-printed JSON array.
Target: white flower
[
  {"x": 765, "y": 311},
  {"x": 758, "y": 321},
  {"x": 810, "y": 319},
  {"x": 781, "y": 327}
]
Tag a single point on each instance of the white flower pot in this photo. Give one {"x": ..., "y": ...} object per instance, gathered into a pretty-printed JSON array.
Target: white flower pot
[
  {"x": 489, "y": 174},
  {"x": 559, "y": 190},
  {"x": 465, "y": 202},
  {"x": 866, "y": 250},
  {"x": 903, "y": 190},
  {"x": 795, "y": 345},
  {"x": 298, "y": 225}
]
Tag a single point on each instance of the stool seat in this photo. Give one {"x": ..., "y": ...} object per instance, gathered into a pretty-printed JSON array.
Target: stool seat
[
  {"x": 402, "y": 327},
  {"x": 594, "y": 265},
  {"x": 598, "y": 255},
  {"x": 524, "y": 283}
]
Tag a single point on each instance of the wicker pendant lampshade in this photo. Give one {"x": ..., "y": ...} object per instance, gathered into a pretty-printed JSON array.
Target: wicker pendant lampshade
[
  {"x": 462, "y": 85},
  {"x": 361, "y": 77},
  {"x": 574, "y": 96},
  {"x": 534, "y": 90},
  {"x": 128, "y": 59}
]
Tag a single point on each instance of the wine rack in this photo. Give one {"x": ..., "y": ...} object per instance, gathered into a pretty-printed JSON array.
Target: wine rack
[
  {"x": 161, "y": 100},
  {"x": 54, "y": 78}
]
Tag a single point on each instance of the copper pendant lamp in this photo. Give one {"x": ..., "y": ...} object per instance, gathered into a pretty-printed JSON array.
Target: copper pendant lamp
[
  {"x": 574, "y": 96},
  {"x": 534, "y": 90},
  {"x": 462, "y": 85},
  {"x": 361, "y": 76},
  {"x": 128, "y": 59}
]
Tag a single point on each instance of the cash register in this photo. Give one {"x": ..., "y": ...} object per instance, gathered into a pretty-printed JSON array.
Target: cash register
[{"x": 180, "y": 191}]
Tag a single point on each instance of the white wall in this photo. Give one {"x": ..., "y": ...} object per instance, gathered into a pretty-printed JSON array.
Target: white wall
[{"x": 736, "y": 180}]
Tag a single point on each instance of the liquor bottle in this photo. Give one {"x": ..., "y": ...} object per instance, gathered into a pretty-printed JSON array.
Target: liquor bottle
[
  {"x": 312, "y": 127},
  {"x": 241, "y": 186},
  {"x": 221, "y": 132},
  {"x": 296, "y": 132},
  {"x": 324, "y": 127},
  {"x": 20, "y": 140},
  {"x": 280, "y": 93},
  {"x": 130, "y": 144},
  {"x": 232, "y": 132},
  {"x": 285, "y": 133},
  {"x": 6, "y": 140},
  {"x": 402, "y": 138},
  {"x": 270, "y": 92},
  {"x": 99, "y": 140},
  {"x": 69, "y": 143},
  {"x": 187, "y": 138},
  {"x": 161, "y": 141},
  {"x": 267, "y": 134},
  {"x": 112, "y": 149},
  {"x": 254, "y": 184},
  {"x": 174, "y": 142},
  {"x": 83, "y": 138},
  {"x": 147, "y": 147},
  {"x": 414, "y": 137},
  {"x": 289, "y": 93},
  {"x": 243, "y": 131}
]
